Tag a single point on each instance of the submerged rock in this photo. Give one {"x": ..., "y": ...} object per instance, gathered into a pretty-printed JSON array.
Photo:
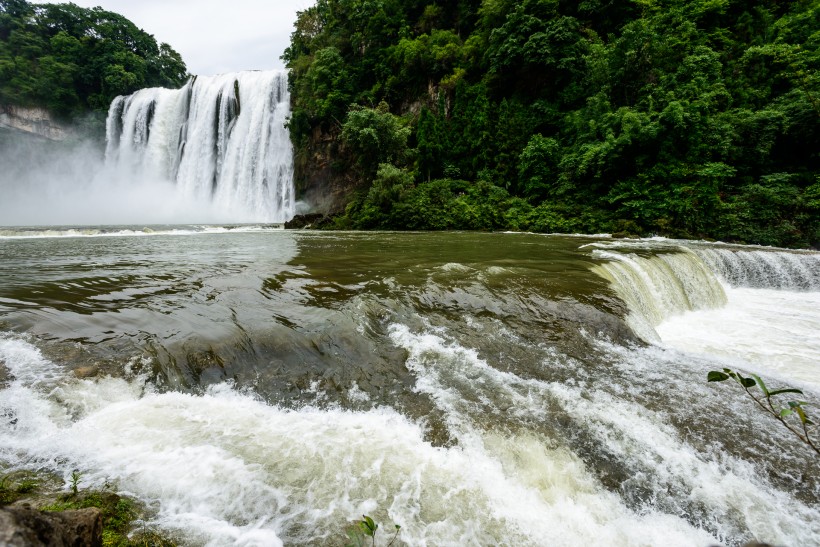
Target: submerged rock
[
  {"x": 86, "y": 371},
  {"x": 27, "y": 527}
]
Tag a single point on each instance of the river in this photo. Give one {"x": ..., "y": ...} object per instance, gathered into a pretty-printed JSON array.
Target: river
[{"x": 256, "y": 386}]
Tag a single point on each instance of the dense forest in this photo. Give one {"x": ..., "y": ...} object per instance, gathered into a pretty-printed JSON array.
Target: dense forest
[
  {"x": 684, "y": 118},
  {"x": 71, "y": 60}
]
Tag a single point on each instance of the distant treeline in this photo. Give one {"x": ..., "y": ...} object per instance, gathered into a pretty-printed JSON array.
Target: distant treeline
[
  {"x": 692, "y": 118},
  {"x": 70, "y": 59}
]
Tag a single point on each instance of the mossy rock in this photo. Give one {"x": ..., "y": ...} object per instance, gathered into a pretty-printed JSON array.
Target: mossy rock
[{"x": 118, "y": 513}]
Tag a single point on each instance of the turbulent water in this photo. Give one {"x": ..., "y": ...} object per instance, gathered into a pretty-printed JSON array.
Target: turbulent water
[
  {"x": 256, "y": 386},
  {"x": 220, "y": 139}
]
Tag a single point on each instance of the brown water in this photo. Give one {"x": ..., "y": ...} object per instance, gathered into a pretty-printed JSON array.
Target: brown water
[{"x": 260, "y": 385}]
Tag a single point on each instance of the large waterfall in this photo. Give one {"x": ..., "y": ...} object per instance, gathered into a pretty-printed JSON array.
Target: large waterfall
[{"x": 221, "y": 139}]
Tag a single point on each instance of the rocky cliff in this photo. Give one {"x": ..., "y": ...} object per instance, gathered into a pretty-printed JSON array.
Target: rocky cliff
[
  {"x": 27, "y": 527},
  {"x": 33, "y": 121},
  {"x": 322, "y": 174}
]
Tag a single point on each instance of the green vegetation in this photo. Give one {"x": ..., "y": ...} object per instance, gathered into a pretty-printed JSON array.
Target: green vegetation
[
  {"x": 366, "y": 528},
  {"x": 13, "y": 487},
  {"x": 694, "y": 118},
  {"x": 793, "y": 416},
  {"x": 70, "y": 59},
  {"x": 75, "y": 481},
  {"x": 118, "y": 512}
]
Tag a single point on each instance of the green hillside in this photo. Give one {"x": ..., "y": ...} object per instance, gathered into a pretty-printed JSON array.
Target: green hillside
[
  {"x": 692, "y": 119},
  {"x": 71, "y": 60}
]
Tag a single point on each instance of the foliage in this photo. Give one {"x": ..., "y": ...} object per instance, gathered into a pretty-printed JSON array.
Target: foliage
[
  {"x": 75, "y": 481},
  {"x": 70, "y": 59},
  {"x": 684, "y": 118},
  {"x": 118, "y": 514},
  {"x": 366, "y": 528},
  {"x": 13, "y": 487},
  {"x": 375, "y": 136},
  {"x": 793, "y": 416}
]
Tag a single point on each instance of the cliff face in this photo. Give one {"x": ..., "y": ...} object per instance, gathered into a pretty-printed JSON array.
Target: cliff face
[
  {"x": 33, "y": 121},
  {"x": 322, "y": 176},
  {"x": 326, "y": 174}
]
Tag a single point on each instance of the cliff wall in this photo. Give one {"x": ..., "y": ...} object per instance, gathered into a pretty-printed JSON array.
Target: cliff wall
[
  {"x": 34, "y": 121},
  {"x": 322, "y": 173}
]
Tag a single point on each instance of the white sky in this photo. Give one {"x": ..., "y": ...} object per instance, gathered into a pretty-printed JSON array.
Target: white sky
[{"x": 215, "y": 36}]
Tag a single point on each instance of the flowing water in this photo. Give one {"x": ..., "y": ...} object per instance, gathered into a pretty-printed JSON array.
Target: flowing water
[
  {"x": 256, "y": 386},
  {"x": 215, "y": 151},
  {"x": 220, "y": 138}
]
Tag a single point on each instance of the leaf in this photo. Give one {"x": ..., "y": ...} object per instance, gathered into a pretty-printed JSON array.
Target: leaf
[
  {"x": 370, "y": 524},
  {"x": 715, "y": 376},
  {"x": 787, "y": 390},
  {"x": 355, "y": 537},
  {"x": 746, "y": 382},
  {"x": 802, "y": 414},
  {"x": 761, "y": 384},
  {"x": 366, "y": 530},
  {"x": 785, "y": 412}
]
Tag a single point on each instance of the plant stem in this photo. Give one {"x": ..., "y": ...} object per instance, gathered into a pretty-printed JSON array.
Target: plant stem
[{"x": 771, "y": 410}]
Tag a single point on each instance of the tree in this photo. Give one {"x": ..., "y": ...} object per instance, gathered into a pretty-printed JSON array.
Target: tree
[
  {"x": 538, "y": 168},
  {"x": 683, "y": 118},
  {"x": 375, "y": 136},
  {"x": 70, "y": 59}
]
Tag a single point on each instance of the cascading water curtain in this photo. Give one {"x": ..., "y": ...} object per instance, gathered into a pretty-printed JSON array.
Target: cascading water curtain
[{"x": 220, "y": 138}]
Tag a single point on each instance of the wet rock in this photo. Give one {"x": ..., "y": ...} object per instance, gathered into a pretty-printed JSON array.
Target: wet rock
[
  {"x": 5, "y": 376},
  {"x": 303, "y": 221},
  {"x": 86, "y": 371},
  {"x": 27, "y": 527}
]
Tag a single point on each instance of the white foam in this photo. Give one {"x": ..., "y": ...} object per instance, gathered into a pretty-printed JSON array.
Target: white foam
[
  {"x": 147, "y": 231},
  {"x": 228, "y": 468},
  {"x": 225, "y": 467},
  {"x": 680, "y": 478},
  {"x": 772, "y": 332}
]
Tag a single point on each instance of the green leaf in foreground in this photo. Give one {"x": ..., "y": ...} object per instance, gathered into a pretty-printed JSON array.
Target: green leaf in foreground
[
  {"x": 715, "y": 376},
  {"x": 803, "y": 428}
]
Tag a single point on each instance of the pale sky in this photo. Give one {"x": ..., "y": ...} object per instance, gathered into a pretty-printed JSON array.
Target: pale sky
[{"x": 215, "y": 36}]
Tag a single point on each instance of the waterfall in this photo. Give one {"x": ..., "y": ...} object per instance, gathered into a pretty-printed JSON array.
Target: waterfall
[
  {"x": 659, "y": 280},
  {"x": 220, "y": 139},
  {"x": 764, "y": 269},
  {"x": 658, "y": 286}
]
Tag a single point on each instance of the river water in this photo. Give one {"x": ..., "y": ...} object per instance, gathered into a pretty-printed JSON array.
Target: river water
[{"x": 256, "y": 386}]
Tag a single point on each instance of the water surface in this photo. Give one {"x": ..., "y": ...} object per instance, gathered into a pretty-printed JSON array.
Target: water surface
[{"x": 258, "y": 386}]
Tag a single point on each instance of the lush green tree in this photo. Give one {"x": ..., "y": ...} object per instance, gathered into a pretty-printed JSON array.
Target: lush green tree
[
  {"x": 538, "y": 166},
  {"x": 70, "y": 59},
  {"x": 389, "y": 188},
  {"x": 682, "y": 117},
  {"x": 375, "y": 136}
]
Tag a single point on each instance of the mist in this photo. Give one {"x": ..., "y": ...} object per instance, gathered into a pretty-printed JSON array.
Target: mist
[
  {"x": 46, "y": 183},
  {"x": 175, "y": 157}
]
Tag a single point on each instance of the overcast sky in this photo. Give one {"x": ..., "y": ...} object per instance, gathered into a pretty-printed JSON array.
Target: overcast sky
[{"x": 215, "y": 36}]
